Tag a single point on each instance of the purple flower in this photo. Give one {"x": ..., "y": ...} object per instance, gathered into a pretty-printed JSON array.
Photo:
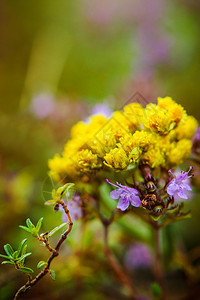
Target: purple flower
[
  {"x": 43, "y": 105},
  {"x": 138, "y": 255},
  {"x": 102, "y": 109},
  {"x": 179, "y": 185},
  {"x": 75, "y": 208},
  {"x": 127, "y": 196}
]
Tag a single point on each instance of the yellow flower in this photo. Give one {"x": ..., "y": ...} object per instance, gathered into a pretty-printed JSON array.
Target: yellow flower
[
  {"x": 117, "y": 159},
  {"x": 86, "y": 161},
  {"x": 159, "y": 121},
  {"x": 179, "y": 151},
  {"x": 187, "y": 128},
  {"x": 158, "y": 135},
  {"x": 176, "y": 111},
  {"x": 153, "y": 157},
  {"x": 135, "y": 113}
]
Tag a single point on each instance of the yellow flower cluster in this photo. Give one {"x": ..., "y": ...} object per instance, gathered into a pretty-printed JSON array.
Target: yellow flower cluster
[{"x": 158, "y": 135}]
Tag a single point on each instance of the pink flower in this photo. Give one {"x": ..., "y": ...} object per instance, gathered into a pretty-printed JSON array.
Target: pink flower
[
  {"x": 125, "y": 195},
  {"x": 179, "y": 185}
]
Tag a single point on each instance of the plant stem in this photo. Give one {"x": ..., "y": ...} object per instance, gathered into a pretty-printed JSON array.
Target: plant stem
[
  {"x": 25, "y": 288},
  {"x": 158, "y": 263},
  {"x": 117, "y": 268}
]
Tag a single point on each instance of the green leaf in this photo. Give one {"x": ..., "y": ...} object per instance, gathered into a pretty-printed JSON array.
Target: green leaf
[
  {"x": 26, "y": 270},
  {"x": 39, "y": 223},
  {"x": 24, "y": 250},
  {"x": 64, "y": 189},
  {"x": 50, "y": 202},
  {"x": 15, "y": 255},
  {"x": 29, "y": 224},
  {"x": 7, "y": 262},
  {"x": 52, "y": 274},
  {"x": 5, "y": 256},
  {"x": 9, "y": 250},
  {"x": 25, "y": 228},
  {"x": 22, "y": 253},
  {"x": 156, "y": 290},
  {"x": 34, "y": 232},
  {"x": 23, "y": 257},
  {"x": 21, "y": 246},
  {"x": 56, "y": 229},
  {"x": 41, "y": 264}
]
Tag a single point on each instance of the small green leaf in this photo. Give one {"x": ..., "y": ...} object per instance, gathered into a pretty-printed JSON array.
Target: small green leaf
[
  {"x": 22, "y": 253},
  {"x": 21, "y": 246},
  {"x": 25, "y": 228},
  {"x": 5, "y": 256},
  {"x": 7, "y": 262},
  {"x": 39, "y": 223},
  {"x": 24, "y": 250},
  {"x": 154, "y": 217},
  {"x": 23, "y": 257},
  {"x": 156, "y": 289},
  {"x": 50, "y": 202},
  {"x": 15, "y": 255},
  {"x": 9, "y": 250},
  {"x": 29, "y": 224},
  {"x": 52, "y": 274},
  {"x": 53, "y": 231},
  {"x": 34, "y": 232},
  {"x": 26, "y": 270},
  {"x": 41, "y": 264}
]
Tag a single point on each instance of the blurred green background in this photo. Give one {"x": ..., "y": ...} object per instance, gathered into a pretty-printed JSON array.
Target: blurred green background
[{"x": 58, "y": 59}]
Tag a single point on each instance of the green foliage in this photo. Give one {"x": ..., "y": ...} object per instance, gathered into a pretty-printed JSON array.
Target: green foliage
[
  {"x": 41, "y": 264},
  {"x": 52, "y": 274},
  {"x": 56, "y": 229},
  {"x": 59, "y": 193},
  {"x": 34, "y": 230},
  {"x": 156, "y": 290},
  {"x": 17, "y": 257}
]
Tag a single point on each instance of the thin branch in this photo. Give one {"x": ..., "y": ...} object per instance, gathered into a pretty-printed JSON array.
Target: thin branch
[
  {"x": 25, "y": 288},
  {"x": 158, "y": 264},
  {"x": 116, "y": 267}
]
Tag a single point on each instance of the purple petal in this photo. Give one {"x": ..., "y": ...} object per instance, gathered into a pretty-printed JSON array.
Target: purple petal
[
  {"x": 135, "y": 201},
  {"x": 186, "y": 187},
  {"x": 115, "y": 194},
  {"x": 172, "y": 188},
  {"x": 181, "y": 194},
  {"x": 123, "y": 204}
]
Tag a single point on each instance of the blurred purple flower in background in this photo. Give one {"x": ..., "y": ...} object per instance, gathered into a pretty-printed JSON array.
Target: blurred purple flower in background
[
  {"x": 102, "y": 109},
  {"x": 127, "y": 196},
  {"x": 42, "y": 105},
  {"x": 75, "y": 208},
  {"x": 138, "y": 255},
  {"x": 179, "y": 185}
]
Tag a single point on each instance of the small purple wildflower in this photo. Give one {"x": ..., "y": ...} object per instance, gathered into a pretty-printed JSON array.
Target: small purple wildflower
[
  {"x": 179, "y": 185},
  {"x": 127, "y": 196},
  {"x": 138, "y": 255},
  {"x": 75, "y": 208}
]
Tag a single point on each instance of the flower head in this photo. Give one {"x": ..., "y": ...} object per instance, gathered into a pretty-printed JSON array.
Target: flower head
[
  {"x": 125, "y": 195},
  {"x": 179, "y": 185}
]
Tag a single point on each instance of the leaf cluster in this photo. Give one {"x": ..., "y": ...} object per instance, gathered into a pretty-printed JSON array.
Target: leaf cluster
[
  {"x": 17, "y": 257},
  {"x": 34, "y": 230}
]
